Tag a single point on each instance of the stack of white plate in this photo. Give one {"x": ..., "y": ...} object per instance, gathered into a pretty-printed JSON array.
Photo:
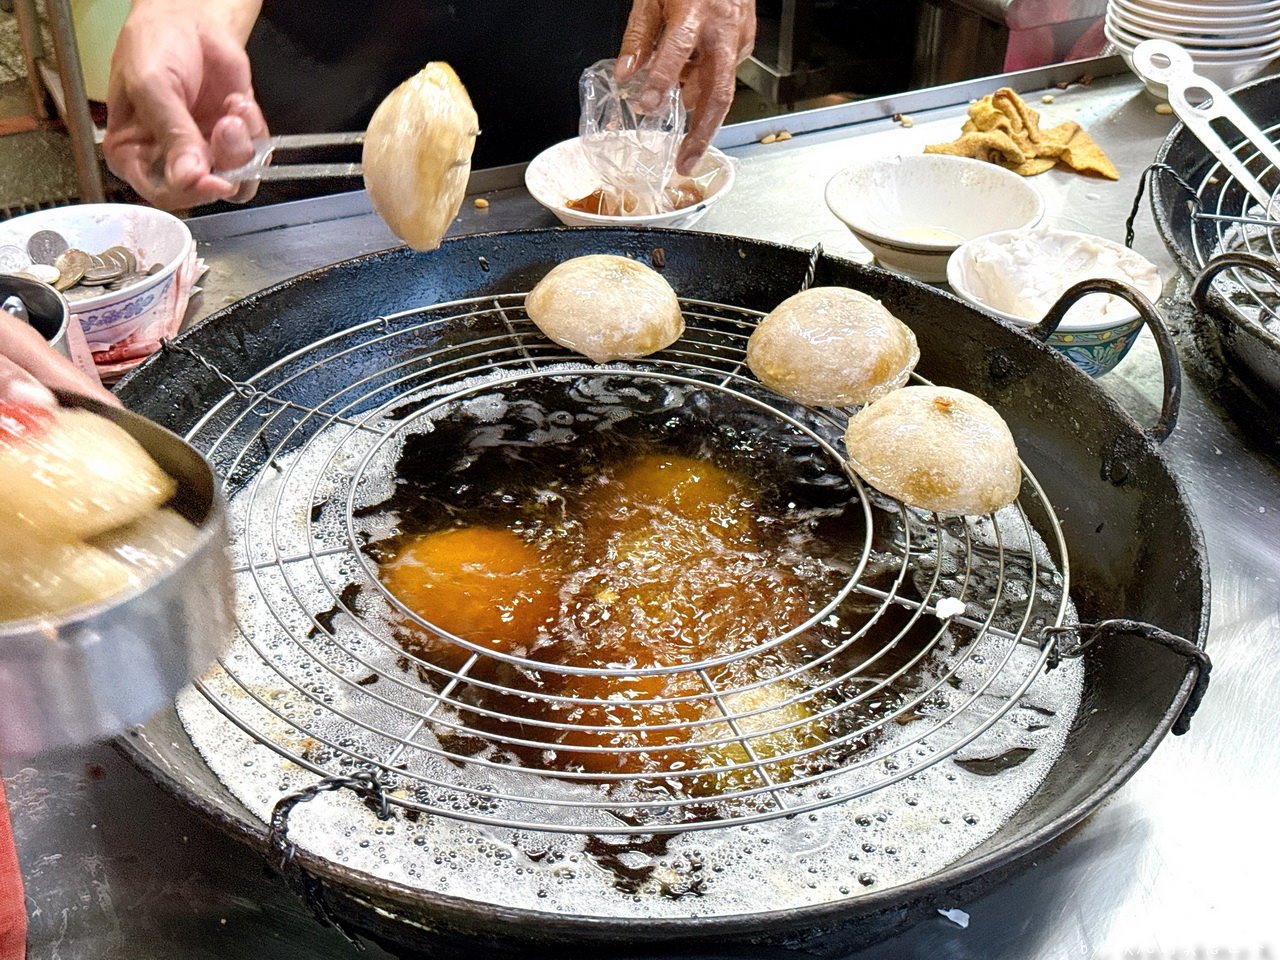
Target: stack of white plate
[{"x": 1229, "y": 40}]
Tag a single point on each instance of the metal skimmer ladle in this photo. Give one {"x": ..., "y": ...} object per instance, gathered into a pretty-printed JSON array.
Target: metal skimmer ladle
[{"x": 1166, "y": 63}]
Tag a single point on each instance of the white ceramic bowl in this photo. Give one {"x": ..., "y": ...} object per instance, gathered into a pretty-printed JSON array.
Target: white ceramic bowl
[
  {"x": 156, "y": 236},
  {"x": 1201, "y": 49},
  {"x": 1197, "y": 8},
  {"x": 1195, "y": 15},
  {"x": 1099, "y": 329},
  {"x": 560, "y": 173},
  {"x": 1226, "y": 74},
  {"x": 913, "y": 211},
  {"x": 1258, "y": 28}
]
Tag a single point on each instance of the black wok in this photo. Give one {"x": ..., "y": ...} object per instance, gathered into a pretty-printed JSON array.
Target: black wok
[
  {"x": 1249, "y": 348},
  {"x": 1135, "y": 549}
]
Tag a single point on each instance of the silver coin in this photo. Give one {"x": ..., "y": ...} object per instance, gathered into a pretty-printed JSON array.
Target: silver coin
[
  {"x": 154, "y": 269},
  {"x": 99, "y": 276},
  {"x": 126, "y": 280},
  {"x": 112, "y": 258},
  {"x": 13, "y": 259},
  {"x": 45, "y": 245},
  {"x": 125, "y": 256},
  {"x": 45, "y": 273}
]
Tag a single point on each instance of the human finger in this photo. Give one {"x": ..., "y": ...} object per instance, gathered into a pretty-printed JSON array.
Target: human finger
[
  {"x": 23, "y": 346},
  {"x": 714, "y": 97},
  {"x": 246, "y": 107},
  {"x": 679, "y": 40},
  {"x": 230, "y": 143},
  {"x": 233, "y": 147},
  {"x": 643, "y": 26},
  {"x": 18, "y": 386}
]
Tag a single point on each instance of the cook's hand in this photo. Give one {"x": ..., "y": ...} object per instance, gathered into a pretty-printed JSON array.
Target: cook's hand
[
  {"x": 180, "y": 100},
  {"x": 697, "y": 43},
  {"x": 29, "y": 366}
]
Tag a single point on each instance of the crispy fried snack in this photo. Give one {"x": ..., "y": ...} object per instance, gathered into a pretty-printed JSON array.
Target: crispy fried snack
[{"x": 1002, "y": 129}]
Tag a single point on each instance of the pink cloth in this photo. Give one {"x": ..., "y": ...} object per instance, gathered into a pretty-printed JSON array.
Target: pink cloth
[{"x": 13, "y": 908}]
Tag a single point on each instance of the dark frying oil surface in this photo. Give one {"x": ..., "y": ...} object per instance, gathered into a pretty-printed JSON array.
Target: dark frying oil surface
[{"x": 529, "y": 458}]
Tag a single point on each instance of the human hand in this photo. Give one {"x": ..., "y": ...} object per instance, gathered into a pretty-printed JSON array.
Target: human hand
[
  {"x": 180, "y": 101},
  {"x": 29, "y": 367},
  {"x": 698, "y": 44}
]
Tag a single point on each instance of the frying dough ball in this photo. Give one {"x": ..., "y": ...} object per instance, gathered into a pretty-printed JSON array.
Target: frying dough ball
[
  {"x": 681, "y": 497},
  {"x": 75, "y": 474},
  {"x": 43, "y": 579},
  {"x": 616, "y": 709},
  {"x": 832, "y": 346},
  {"x": 417, "y": 155},
  {"x": 783, "y": 704},
  {"x": 485, "y": 585},
  {"x": 936, "y": 448},
  {"x": 607, "y": 308}
]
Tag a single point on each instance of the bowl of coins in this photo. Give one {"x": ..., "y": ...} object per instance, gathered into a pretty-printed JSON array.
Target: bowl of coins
[{"x": 118, "y": 265}]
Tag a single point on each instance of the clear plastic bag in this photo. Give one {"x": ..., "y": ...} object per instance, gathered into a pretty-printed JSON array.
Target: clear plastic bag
[{"x": 633, "y": 154}]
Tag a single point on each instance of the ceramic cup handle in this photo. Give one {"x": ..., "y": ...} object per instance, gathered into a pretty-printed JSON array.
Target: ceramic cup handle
[{"x": 1169, "y": 364}]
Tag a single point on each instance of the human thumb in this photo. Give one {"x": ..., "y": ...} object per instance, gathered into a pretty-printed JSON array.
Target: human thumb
[{"x": 185, "y": 163}]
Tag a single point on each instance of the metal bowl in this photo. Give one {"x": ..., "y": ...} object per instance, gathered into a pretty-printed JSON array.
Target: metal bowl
[
  {"x": 106, "y": 667},
  {"x": 47, "y": 309}
]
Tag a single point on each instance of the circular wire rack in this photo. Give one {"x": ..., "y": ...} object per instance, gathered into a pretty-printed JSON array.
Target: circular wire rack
[
  {"x": 329, "y": 688},
  {"x": 1226, "y": 218}
]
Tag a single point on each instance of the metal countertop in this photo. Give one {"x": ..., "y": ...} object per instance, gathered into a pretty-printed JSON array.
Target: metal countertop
[{"x": 1172, "y": 866}]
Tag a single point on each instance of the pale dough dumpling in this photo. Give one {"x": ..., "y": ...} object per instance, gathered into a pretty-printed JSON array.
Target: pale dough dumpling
[
  {"x": 417, "y": 155},
  {"x": 75, "y": 477},
  {"x": 936, "y": 448},
  {"x": 606, "y": 307},
  {"x": 832, "y": 346}
]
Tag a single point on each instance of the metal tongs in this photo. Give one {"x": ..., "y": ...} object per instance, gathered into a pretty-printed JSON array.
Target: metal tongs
[
  {"x": 1166, "y": 63},
  {"x": 265, "y": 150}
]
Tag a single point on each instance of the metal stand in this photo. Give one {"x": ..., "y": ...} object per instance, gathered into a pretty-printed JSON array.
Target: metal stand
[{"x": 63, "y": 80}]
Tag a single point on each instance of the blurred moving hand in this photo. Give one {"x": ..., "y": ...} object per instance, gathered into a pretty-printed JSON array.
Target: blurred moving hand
[
  {"x": 180, "y": 100},
  {"x": 698, "y": 44},
  {"x": 29, "y": 367}
]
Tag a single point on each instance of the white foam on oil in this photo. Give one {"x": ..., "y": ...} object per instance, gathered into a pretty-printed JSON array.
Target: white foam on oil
[{"x": 300, "y": 688}]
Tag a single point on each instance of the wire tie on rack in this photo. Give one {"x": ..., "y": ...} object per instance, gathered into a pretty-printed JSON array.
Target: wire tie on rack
[
  {"x": 283, "y": 851},
  {"x": 242, "y": 390},
  {"x": 1071, "y": 642},
  {"x": 1142, "y": 185},
  {"x": 811, "y": 271}
]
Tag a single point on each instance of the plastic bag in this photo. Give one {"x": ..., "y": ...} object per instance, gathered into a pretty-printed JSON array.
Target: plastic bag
[{"x": 633, "y": 154}]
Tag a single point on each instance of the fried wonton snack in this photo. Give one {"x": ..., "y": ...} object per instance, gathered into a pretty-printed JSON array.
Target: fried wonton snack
[{"x": 1002, "y": 129}]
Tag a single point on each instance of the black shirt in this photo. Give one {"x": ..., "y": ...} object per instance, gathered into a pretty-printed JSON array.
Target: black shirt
[{"x": 325, "y": 65}]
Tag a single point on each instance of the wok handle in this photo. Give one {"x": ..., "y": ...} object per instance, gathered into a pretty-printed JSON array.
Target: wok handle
[
  {"x": 1169, "y": 364},
  {"x": 1225, "y": 261}
]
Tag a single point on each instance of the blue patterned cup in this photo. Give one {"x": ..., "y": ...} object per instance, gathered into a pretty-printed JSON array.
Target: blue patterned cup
[{"x": 1094, "y": 336}]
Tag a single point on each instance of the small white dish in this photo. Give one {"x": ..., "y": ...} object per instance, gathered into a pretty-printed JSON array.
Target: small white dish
[
  {"x": 561, "y": 173},
  {"x": 913, "y": 211}
]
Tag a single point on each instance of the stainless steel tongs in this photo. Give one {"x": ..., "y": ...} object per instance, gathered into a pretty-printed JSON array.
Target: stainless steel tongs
[
  {"x": 265, "y": 150},
  {"x": 1164, "y": 62}
]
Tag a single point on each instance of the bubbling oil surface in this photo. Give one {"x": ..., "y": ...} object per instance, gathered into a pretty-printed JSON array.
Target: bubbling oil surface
[
  {"x": 514, "y": 455},
  {"x": 681, "y": 535}
]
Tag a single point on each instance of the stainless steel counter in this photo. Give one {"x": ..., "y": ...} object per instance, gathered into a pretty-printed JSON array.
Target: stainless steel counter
[{"x": 1175, "y": 865}]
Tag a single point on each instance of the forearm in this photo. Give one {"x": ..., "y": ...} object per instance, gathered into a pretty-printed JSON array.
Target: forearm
[{"x": 237, "y": 16}]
